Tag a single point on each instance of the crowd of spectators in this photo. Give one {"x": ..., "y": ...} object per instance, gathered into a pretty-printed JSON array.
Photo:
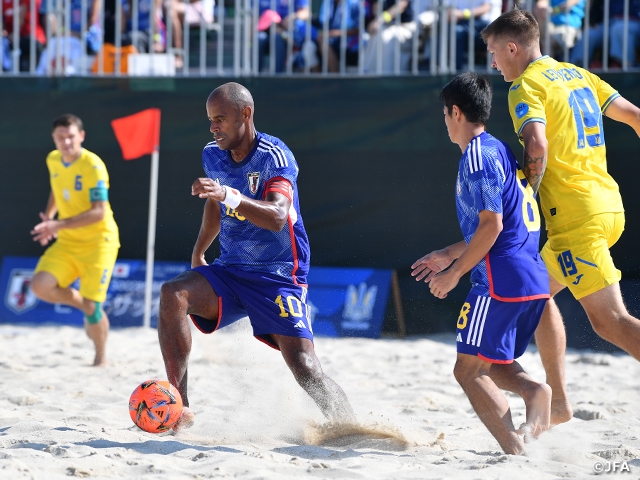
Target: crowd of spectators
[{"x": 375, "y": 36}]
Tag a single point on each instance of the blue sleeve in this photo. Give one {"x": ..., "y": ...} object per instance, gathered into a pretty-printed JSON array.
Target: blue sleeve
[{"x": 487, "y": 184}]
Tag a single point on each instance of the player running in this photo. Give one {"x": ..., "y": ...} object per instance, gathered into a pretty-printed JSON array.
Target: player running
[
  {"x": 499, "y": 218},
  {"x": 580, "y": 201},
  {"x": 87, "y": 235},
  {"x": 252, "y": 205}
]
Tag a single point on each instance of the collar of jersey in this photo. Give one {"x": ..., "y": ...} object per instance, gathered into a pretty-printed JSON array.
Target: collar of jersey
[
  {"x": 67, "y": 165},
  {"x": 247, "y": 159}
]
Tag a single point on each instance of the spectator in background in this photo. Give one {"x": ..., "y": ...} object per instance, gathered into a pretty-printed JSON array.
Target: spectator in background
[
  {"x": 282, "y": 19},
  {"x": 565, "y": 24},
  {"x": 109, "y": 50},
  {"x": 149, "y": 25},
  {"x": 24, "y": 28},
  {"x": 616, "y": 37},
  {"x": 385, "y": 34},
  {"x": 332, "y": 12},
  {"x": 483, "y": 12},
  {"x": 190, "y": 12}
]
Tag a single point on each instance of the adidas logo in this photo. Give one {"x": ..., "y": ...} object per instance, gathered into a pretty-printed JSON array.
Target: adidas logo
[
  {"x": 300, "y": 324},
  {"x": 459, "y": 338}
]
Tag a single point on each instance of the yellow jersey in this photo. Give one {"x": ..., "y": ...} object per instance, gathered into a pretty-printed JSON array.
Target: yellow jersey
[
  {"x": 74, "y": 187},
  {"x": 570, "y": 101}
]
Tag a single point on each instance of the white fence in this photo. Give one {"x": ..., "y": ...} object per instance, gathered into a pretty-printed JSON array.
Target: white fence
[{"x": 104, "y": 38}]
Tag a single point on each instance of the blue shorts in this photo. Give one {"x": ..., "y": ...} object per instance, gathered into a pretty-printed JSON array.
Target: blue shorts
[
  {"x": 495, "y": 331},
  {"x": 273, "y": 305}
]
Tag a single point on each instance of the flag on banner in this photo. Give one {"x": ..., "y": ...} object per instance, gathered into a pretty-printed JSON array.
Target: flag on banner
[{"x": 138, "y": 134}]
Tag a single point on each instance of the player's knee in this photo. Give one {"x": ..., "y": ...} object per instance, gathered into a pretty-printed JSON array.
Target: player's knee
[
  {"x": 172, "y": 293},
  {"x": 606, "y": 326},
  {"x": 464, "y": 371}
]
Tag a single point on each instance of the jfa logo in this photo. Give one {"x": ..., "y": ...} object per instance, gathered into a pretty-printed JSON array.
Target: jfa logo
[
  {"x": 254, "y": 180},
  {"x": 121, "y": 270},
  {"x": 19, "y": 296}
]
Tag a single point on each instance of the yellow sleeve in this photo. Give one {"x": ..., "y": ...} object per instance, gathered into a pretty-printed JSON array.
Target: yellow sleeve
[
  {"x": 97, "y": 180},
  {"x": 606, "y": 93},
  {"x": 526, "y": 104}
]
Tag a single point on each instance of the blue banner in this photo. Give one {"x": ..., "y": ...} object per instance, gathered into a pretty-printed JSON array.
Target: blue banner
[
  {"x": 344, "y": 302},
  {"x": 348, "y": 302}
]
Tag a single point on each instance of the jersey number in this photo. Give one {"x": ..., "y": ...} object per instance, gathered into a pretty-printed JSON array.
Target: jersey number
[
  {"x": 530, "y": 213},
  {"x": 78, "y": 184},
  {"x": 568, "y": 266},
  {"x": 295, "y": 306},
  {"x": 233, "y": 213},
  {"x": 587, "y": 114}
]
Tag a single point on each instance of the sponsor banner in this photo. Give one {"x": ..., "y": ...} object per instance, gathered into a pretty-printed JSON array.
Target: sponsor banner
[
  {"x": 348, "y": 302},
  {"x": 344, "y": 302},
  {"x": 125, "y": 298}
]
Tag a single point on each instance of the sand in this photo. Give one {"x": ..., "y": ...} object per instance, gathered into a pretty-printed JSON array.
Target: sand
[{"x": 61, "y": 418}]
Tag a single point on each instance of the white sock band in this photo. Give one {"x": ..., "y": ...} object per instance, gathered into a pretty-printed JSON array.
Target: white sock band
[{"x": 232, "y": 198}]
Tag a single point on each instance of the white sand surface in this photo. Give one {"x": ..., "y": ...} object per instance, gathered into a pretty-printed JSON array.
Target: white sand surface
[{"x": 61, "y": 418}]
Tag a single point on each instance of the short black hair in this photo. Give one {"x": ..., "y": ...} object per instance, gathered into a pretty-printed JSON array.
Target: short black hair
[
  {"x": 66, "y": 120},
  {"x": 472, "y": 94}
]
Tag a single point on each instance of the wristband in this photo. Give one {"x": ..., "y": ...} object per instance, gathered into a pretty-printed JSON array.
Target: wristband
[
  {"x": 387, "y": 17},
  {"x": 232, "y": 198},
  {"x": 466, "y": 13}
]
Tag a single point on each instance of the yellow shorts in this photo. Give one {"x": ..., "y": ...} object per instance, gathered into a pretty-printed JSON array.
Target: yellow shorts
[
  {"x": 92, "y": 265},
  {"x": 577, "y": 254}
]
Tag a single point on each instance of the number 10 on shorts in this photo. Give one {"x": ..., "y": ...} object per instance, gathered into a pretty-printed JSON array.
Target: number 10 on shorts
[{"x": 295, "y": 306}]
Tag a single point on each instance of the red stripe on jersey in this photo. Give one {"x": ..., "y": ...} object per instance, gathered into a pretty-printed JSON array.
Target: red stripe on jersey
[
  {"x": 280, "y": 185},
  {"x": 540, "y": 296},
  {"x": 501, "y": 362},
  {"x": 217, "y": 321}
]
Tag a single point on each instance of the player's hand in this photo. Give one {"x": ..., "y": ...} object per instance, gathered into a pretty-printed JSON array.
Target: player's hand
[
  {"x": 46, "y": 230},
  {"x": 442, "y": 283},
  {"x": 208, "y": 188},
  {"x": 198, "y": 260},
  {"x": 431, "y": 264}
]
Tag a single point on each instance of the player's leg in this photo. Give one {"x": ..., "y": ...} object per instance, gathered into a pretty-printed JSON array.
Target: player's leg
[
  {"x": 536, "y": 396},
  {"x": 45, "y": 286},
  {"x": 551, "y": 340},
  {"x": 300, "y": 356},
  {"x": 611, "y": 320},
  {"x": 472, "y": 373},
  {"x": 188, "y": 293},
  {"x": 96, "y": 325}
]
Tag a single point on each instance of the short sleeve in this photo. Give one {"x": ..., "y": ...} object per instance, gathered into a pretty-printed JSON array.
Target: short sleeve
[
  {"x": 526, "y": 104},
  {"x": 486, "y": 182},
  {"x": 606, "y": 93},
  {"x": 97, "y": 181}
]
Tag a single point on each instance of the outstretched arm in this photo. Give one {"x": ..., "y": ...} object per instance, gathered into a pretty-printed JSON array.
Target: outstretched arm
[
  {"x": 622, "y": 110},
  {"x": 534, "y": 136},
  {"x": 436, "y": 261},
  {"x": 483, "y": 239},
  {"x": 48, "y": 228}
]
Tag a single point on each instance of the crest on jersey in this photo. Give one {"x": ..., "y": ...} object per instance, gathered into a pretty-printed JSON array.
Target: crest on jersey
[
  {"x": 19, "y": 298},
  {"x": 254, "y": 180}
]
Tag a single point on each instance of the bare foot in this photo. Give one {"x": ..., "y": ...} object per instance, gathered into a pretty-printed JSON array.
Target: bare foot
[
  {"x": 186, "y": 420},
  {"x": 561, "y": 411},
  {"x": 100, "y": 362},
  {"x": 538, "y": 402}
]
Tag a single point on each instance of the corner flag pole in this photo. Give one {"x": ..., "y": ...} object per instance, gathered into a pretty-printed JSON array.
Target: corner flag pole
[{"x": 151, "y": 237}]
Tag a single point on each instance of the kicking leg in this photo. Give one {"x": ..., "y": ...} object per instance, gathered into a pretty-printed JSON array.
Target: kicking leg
[
  {"x": 536, "y": 396},
  {"x": 300, "y": 356},
  {"x": 610, "y": 319},
  {"x": 189, "y": 293},
  {"x": 488, "y": 401},
  {"x": 551, "y": 340}
]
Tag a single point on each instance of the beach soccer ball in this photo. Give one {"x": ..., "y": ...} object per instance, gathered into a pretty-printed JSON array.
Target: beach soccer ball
[{"x": 155, "y": 406}]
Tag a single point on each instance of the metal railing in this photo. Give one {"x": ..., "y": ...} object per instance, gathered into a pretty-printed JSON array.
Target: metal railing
[{"x": 228, "y": 42}]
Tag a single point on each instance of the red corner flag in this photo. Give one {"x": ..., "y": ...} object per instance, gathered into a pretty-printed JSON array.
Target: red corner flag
[{"x": 138, "y": 134}]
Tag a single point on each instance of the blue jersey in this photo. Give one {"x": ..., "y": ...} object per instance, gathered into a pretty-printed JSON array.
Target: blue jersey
[
  {"x": 489, "y": 178},
  {"x": 269, "y": 167}
]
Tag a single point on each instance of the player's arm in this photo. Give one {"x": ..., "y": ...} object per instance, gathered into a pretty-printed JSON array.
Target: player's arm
[
  {"x": 436, "y": 261},
  {"x": 49, "y": 228},
  {"x": 271, "y": 213},
  {"x": 534, "y": 135},
  {"x": 483, "y": 239},
  {"x": 622, "y": 110},
  {"x": 209, "y": 230},
  {"x": 51, "y": 209}
]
